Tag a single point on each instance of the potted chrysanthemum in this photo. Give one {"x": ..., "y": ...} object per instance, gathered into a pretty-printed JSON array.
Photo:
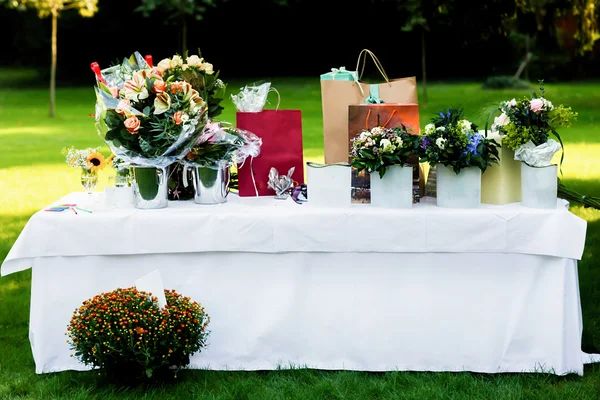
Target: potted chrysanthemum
[
  {"x": 385, "y": 153},
  {"x": 525, "y": 126},
  {"x": 460, "y": 153}
]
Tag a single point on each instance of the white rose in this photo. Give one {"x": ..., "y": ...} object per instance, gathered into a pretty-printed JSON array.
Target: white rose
[
  {"x": 440, "y": 128},
  {"x": 399, "y": 141},
  {"x": 429, "y": 128},
  {"x": 177, "y": 61},
  {"x": 441, "y": 143},
  {"x": 548, "y": 104},
  {"x": 185, "y": 117},
  {"x": 194, "y": 61},
  {"x": 364, "y": 134},
  {"x": 208, "y": 68},
  {"x": 512, "y": 103}
]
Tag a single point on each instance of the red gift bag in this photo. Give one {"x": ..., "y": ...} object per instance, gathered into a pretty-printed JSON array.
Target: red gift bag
[{"x": 281, "y": 134}]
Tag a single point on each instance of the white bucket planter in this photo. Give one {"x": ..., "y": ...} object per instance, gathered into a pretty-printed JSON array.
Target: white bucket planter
[
  {"x": 462, "y": 190},
  {"x": 328, "y": 185},
  {"x": 394, "y": 190},
  {"x": 539, "y": 186}
]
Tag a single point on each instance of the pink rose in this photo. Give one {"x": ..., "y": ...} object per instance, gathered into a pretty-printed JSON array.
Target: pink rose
[
  {"x": 536, "y": 105},
  {"x": 132, "y": 124}
]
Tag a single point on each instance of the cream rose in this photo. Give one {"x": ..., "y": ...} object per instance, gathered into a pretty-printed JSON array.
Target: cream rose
[
  {"x": 132, "y": 124},
  {"x": 164, "y": 65},
  {"x": 429, "y": 129},
  {"x": 194, "y": 61},
  {"x": 208, "y": 68},
  {"x": 176, "y": 61}
]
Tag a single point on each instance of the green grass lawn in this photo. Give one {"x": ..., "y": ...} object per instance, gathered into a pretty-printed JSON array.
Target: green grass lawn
[{"x": 33, "y": 174}]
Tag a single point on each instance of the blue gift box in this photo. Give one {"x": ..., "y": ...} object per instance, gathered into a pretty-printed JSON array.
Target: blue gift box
[{"x": 340, "y": 74}]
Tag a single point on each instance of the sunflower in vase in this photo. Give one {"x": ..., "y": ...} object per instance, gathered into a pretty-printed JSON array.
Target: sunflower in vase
[{"x": 89, "y": 161}]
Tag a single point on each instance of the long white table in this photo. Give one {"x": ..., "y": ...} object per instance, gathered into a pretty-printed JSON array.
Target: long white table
[{"x": 489, "y": 290}]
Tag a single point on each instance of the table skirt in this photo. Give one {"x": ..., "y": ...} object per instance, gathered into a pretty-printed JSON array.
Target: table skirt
[{"x": 341, "y": 311}]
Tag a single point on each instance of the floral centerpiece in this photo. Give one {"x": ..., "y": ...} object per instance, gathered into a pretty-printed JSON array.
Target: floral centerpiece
[
  {"x": 526, "y": 126},
  {"x": 89, "y": 161},
  {"x": 378, "y": 149},
  {"x": 127, "y": 335},
  {"x": 460, "y": 154},
  {"x": 121, "y": 169},
  {"x": 386, "y": 154},
  {"x": 200, "y": 74},
  {"x": 454, "y": 142},
  {"x": 148, "y": 120}
]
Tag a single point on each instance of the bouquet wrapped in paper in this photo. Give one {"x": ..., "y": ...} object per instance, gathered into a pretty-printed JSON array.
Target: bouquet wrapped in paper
[{"x": 145, "y": 118}]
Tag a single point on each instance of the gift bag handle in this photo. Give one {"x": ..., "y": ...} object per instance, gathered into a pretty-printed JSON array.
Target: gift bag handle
[
  {"x": 363, "y": 54},
  {"x": 272, "y": 89},
  {"x": 377, "y": 120}
]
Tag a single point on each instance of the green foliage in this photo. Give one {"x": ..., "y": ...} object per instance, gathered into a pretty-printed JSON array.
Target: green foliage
[
  {"x": 176, "y": 8},
  {"x": 505, "y": 82},
  {"x": 127, "y": 334},
  {"x": 453, "y": 141},
  {"x": 380, "y": 148},
  {"x": 533, "y": 119}
]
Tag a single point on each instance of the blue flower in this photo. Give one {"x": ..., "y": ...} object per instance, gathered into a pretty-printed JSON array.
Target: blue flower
[
  {"x": 442, "y": 115},
  {"x": 474, "y": 141},
  {"x": 426, "y": 142}
]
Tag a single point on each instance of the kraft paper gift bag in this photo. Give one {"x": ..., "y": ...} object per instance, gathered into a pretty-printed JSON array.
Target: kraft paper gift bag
[
  {"x": 281, "y": 134},
  {"x": 369, "y": 116},
  {"x": 339, "y": 89}
]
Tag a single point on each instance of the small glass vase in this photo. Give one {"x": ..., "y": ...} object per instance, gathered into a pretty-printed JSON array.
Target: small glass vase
[{"x": 89, "y": 180}]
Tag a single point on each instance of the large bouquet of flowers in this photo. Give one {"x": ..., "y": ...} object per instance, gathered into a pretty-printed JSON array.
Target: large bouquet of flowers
[
  {"x": 525, "y": 126},
  {"x": 221, "y": 146},
  {"x": 380, "y": 148},
  {"x": 128, "y": 335},
  {"x": 198, "y": 73},
  {"x": 144, "y": 118},
  {"x": 455, "y": 142}
]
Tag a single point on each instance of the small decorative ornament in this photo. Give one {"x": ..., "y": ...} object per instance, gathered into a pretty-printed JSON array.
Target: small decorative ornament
[{"x": 281, "y": 184}]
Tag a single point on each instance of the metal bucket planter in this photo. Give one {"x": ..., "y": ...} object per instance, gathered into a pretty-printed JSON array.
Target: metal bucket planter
[
  {"x": 211, "y": 186},
  {"x": 150, "y": 187}
]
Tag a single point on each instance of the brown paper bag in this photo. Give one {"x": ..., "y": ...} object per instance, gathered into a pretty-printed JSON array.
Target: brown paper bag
[{"x": 336, "y": 96}]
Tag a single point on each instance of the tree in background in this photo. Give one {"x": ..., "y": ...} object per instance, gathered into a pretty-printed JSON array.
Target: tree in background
[
  {"x": 178, "y": 11},
  {"x": 53, "y": 9}
]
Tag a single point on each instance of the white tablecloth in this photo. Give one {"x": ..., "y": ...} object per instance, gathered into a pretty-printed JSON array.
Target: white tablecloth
[{"x": 487, "y": 290}]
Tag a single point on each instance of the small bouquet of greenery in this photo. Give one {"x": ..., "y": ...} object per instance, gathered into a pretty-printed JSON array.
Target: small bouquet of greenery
[
  {"x": 198, "y": 73},
  {"x": 453, "y": 141},
  {"x": 378, "y": 149},
  {"x": 127, "y": 334}
]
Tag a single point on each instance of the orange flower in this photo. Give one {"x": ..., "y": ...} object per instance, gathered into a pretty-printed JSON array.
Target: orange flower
[
  {"x": 132, "y": 124},
  {"x": 139, "y": 330},
  {"x": 177, "y": 117},
  {"x": 159, "y": 86}
]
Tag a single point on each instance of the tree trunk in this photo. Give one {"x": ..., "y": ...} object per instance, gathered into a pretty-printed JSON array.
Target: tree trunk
[
  {"x": 183, "y": 35},
  {"x": 53, "y": 64},
  {"x": 527, "y": 52},
  {"x": 423, "y": 66}
]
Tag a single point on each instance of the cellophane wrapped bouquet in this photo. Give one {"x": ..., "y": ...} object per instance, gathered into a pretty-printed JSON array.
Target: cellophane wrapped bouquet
[
  {"x": 222, "y": 146},
  {"x": 147, "y": 118}
]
